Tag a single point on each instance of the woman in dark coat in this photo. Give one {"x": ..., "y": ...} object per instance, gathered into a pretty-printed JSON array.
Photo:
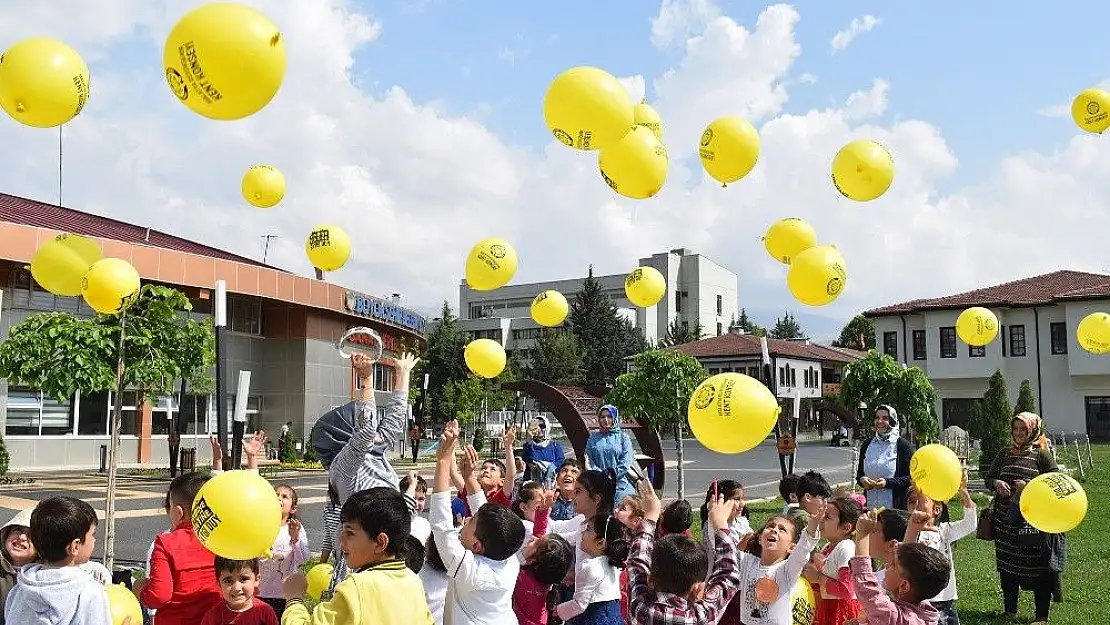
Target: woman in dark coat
[{"x": 884, "y": 463}]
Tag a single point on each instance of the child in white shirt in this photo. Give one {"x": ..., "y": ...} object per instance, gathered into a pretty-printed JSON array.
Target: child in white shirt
[
  {"x": 597, "y": 588},
  {"x": 923, "y": 528}
]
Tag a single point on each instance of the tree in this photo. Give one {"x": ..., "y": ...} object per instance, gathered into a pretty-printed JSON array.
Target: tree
[
  {"x": 975, "y": 420},
  {"x": 556, "y": 358},
  {"x": 605, "y": 336},
  {"x": 657, "y": 391},
  {"x": 878, "y": 379},
  {"x": 1026, "y": 402},
  {"x": 680, "y": 333},
  {"x": 747, "y": 325},
  {"x": 443, "y": 363},
  {"x": 787, "y": 327},
  {"x": 996, "y": 422},
  {"x": 853, "y": 330},
  {"x": 147, "y": 347}
]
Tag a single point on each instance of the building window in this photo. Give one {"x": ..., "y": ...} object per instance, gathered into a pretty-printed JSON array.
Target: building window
[
  {"x": 782, "y": 376},
  {"x": 493, "y": 335},
  {"x": 976, "y": 351},
  {"x": 1058, "y": 333},
  {"x": 678, "y": 301},
  {"x": 244, "y": 315},
  {"x": 948, "y": 342},
  {"x": 1017, "y": 340},
  {"x": 890, "y": 344},
  {"x": 526, "y": 334},
  {"x": 720, "y": 306},
  {"x": 30, "y": 413},
  {"x": 720, "y": 328},
  {"x": 919, "y": 346},
  {"x": 753, "y": 372},
  {"x": 383, "y": 377}
]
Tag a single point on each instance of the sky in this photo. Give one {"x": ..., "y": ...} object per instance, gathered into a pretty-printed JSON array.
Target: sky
[{"x": 417, "y": 126}]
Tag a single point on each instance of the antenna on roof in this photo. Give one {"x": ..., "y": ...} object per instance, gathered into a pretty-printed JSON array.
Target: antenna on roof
[
  {"x": 60, "y": 165},
  {"x": 266, "y": 246}
]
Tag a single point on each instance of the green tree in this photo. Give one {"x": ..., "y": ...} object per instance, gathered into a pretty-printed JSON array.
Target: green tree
[
  {"x": 853, "y": 330},
  {"x": 745, "y": 323},
  {"x": 147, "y": 347},
  {"x": 878, "y": 379},
  {"x": 556, "y": 358},
  {"x": 443, "y": 363},
  {"x": 997, "y": 416},
  {"x": 657, "y": 391},
  {"x": 975, "y": 420},
  {"x": 680, "y": 333},
  {"x": 1026, "y": 402},
  {"x": 605, "y": 336},
  {"x": 787, "y": 327}
]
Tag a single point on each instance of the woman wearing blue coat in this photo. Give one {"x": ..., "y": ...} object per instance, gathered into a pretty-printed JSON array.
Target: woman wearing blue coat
[{"x": 610, "y": 448}]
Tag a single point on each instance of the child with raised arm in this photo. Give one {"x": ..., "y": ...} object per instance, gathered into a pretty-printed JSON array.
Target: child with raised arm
[
  {"x": 917, "y": 573},
  {"x": 929, "y": 525}
]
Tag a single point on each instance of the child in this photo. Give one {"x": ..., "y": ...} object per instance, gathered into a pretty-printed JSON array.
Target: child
[
  {"x": 631, "y": 515},
  {"x": 382, "y": 590},
  {"x": 828, "y": 571},
  {"x": 565, "y": 480},
  {"x": 57, "y": 592},
  {"x": 771, "y": 567},
  {"x": 290, "y": 551},
  {"x": 677, "y": 518},
  {"x": 890, "y": 529},
  {"x": 529, "y": 498},
  {"x": 916, "y": 573},
  {"x": 481, "y": 557},
  {"x": 812, "y": 492},
  {"x": 182, "y": 584},
  {"x": 239, "y": 582},
  {"x": 419, "y": 490},
  {"x": 331, "y": 525},
  {"x": 597, "y": 590},
  {"x": 733, "y": 493},
  {"x": 788, "y": 489},
  {"x": 547, "y": 560},
  {"x": 924, "y": 529},
  {"x": 434, "y": 578},
  {"x": 491, "y": 480}
]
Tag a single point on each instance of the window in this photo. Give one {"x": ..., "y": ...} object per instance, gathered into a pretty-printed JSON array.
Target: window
[
  {"x": 720, "y": 328},
  {"x": 30, "y": 413},
  {"x": 526, "y": 334},
  {"x": 948, "y": 342},
  {"x": 678, "y": 301},
  {"x": 92, "y": 414},
  {"x": 782, "y": 376},
  {"x": 919, "y": 346},
  {"x": 1017, "y": 340},
  {"x": 720, "y": 306},
  {"x": 493, "y": 335},
  {"x": 976, "y": 351},
  {"x": 383, "y": 377},
  {"x": 1058, "y": 333},
  {"x": 753, "y": 372},
  {"x": 890, "y": 344},
  {"x": 244, "y": 315}
]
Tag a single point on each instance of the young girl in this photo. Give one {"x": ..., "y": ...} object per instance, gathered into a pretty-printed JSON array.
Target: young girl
[
  {"x": 770, "y": 568},
  {"x": 593, "y": 495},
  {"x": 929, "y": 525},
  {"x": 597, "y": 592},
  {"x": 630, "y": 514},
  {"x": 547, "y": 560},
  {"x": 529, "y": 498},
  {"x": 733, "y": 493},
  {"x": 290, "y": 551},
  {"x": 434, "y": 577},
  {"x": 828, "y": 571}
]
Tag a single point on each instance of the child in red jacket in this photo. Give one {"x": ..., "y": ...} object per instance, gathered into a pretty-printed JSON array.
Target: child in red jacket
[{"x": 182, "y": 585}]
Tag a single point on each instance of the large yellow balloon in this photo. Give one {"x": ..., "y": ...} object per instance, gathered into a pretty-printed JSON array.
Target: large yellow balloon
[
  {"x": 485, "y": 358},
  {"x": 729, "y": 149},
  {"x": 977, "y": 326},
  {"x": 937, "y": 472},
  {"x": 645, "y": 286},
  {"x": 803, "y": 607},
  {"x": 1053, "y": 503},
  {"x": 328, "y": 247},
  {"x": 263, "y": 186},
  {"x": 731, "y": 413},
  {"x": 236, "y": 515},
  {"x": 648, "y": 117},
  {"x": 43, "y": 82},
  {"x": 550, "y": 308},
  {"x": 60, "y": 264},
  {"x": 786, "y": 238},
  {"x": 490, "y": 264},
  {"x": 817, "y": 276},
  {"x": 123, "y": 605},
  {"x": 587, "y": 108},
  {"x": 110, "y": 285},
  {"x": 224, "y": 60},
  {"x": 1093, "y": 333},
  {"x": 862, "y": 170},
  {"x": 319, "y": 578},
  {"x": 1091, "y": 110},
  {"x": 635, "y": 166}
]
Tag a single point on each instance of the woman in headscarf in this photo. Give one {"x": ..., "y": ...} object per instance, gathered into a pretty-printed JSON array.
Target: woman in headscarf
[
  {"x": 542, "y": 454},
  {"x": 610, "y": 448},
  {"x": 884, "y": 463},
  {"x": 16, "y": 550},
  {"x": 1026, "y": 558}
]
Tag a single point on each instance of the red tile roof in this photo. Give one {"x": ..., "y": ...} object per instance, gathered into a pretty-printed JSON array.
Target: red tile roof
[
  {"x": 747, "y": 345},
  {"x": 1039, "y": 290},
  {"x": 19, "y": 210}
]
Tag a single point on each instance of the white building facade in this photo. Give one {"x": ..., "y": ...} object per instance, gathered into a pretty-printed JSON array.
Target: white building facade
[{"x": 1037, "y": 321}]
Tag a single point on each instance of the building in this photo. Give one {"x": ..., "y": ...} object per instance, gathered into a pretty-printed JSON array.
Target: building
[
  {"x": 698, "y": 291},
  {"x": 281, "y": 327},
  {"x": 1036, "y": 342}
]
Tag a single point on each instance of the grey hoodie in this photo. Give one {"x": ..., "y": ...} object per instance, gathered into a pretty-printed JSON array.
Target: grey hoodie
[{"x": 56, "y": 596}]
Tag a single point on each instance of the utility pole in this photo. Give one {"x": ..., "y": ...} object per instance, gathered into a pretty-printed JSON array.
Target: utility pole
[{"x": 266, "y": 246}]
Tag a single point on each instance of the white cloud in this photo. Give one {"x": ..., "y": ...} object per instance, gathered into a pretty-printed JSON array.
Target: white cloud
[
  {"x": 857, "y": 27},
  {"x": 678, "y": 19},
  {"x": 635, "y": 86},
  {"x": 1056, "y": 110}
]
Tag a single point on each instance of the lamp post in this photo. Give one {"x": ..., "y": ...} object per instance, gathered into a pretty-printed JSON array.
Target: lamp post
[{"x": 220, "y": 321}]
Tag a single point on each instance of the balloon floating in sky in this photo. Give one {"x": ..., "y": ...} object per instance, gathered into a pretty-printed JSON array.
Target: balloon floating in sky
[
  {"x": 817, "y": 276},
  {"x": 485, "y": 358},
  {"x": 43, "y": 82},
  {"x": 1093, "y": 333},
  {"x": 645, "y": 286},
  {"x": 1091, "y": 110},
  {"x": 60, "y": 264},
  {"x": 729, "y": 149},
  {"x": 977, "y": 326},
  {"x": 936, "y": 471},
  {"x": 328, "y": 247},
  {"x": 648, "y": 117},
  {"x": 550, "y": 308},
  {"x": 731, "y": 413},
  {"x": 110, "y": 285},
  {"x": 636, "y": 166},
  {"x": 786, "y": 238},
  {"x": 862, "y": 170},
  {"x": 587, "y": 108},
  {"x": 1053, "y": 502},
  {"x": 224, "y": 61},
  {"x": 263, "y": 186},
  {"x": 490, "y": 264}
]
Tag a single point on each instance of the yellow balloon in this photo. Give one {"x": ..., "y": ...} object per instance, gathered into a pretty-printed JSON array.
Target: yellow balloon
[
  {"x": 1054, "y": 503},
  {"x": 224, "y": 60},
  {"x": 236, "y": 515},
  {"x": 817, "y": 276},
  {"x": 110, "y": 285},
  {"x": 490, "y": 264},
  {"x": 648, "y": 117},
  {"x": 60, "y": 264},
  {"x": 123, "y": 605},
  {"x": 263, "y": 186},
  {"x": 485, "y": 358},
  {"x": 86, "y": 248},
  {"x": 635, "y": 166},
  {"x": 587, "y": 108},
  {"x": 1093, "y": 333},
  {"x": 328, "y": 247},
  {"x": 729, "y": 149},
  {"x": 43, "y": 82},
  {"x": 786, "y": 238},
  {"x": 803, "y": 607},
  {"x": 318, "y": 578},
  {"x": 645, "y": 286},
  {"x": 550, "y": 308},
  {"x": 936, "y": 472},
  {"x": 731, "y": 413},
  {"x": 1091, "y": 110},
  {"x": 862, "y": 170},
  {"x": 977, "y": 326}
]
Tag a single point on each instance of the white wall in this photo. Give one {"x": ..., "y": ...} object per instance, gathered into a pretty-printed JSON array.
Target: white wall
[{"x": 796, "y": 377}]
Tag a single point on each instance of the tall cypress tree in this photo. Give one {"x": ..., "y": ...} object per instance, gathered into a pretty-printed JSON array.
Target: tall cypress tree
[
  {"x": 996, "y": 415},
  {"x": 1026, "y": 402},
  {"x": 603, "y": 334},
  {"x": 443, "y": 362}
]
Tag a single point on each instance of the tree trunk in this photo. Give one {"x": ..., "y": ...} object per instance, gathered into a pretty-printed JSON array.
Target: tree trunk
[
  {"x": 678, "y": 448},
  {"x": 113, "y": 454}
]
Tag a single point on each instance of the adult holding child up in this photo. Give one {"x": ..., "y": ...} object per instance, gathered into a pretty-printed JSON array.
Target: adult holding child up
[{"x": 884, "y": 462}]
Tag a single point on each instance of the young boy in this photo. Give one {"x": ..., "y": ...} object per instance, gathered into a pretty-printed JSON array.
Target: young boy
[
  {"x": 890, "y": 529},
  {"x": 788, "y": 489},
  {"x": 812, "y": 492},
  {"x": 382, "y": 590},
  {"x": 677, "y": 518},
  {"x": 481, "y": 557},
  {"x": 918, "y": 572},
  {"x": 566, "y": 481},
  {"x": 58, "y": 592},
  {"x": 493, "y": 477},
  {"x": 418, "y": 490},
  {"x": 182, "y": 584},
  {"x": 238, "y": 580}
]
